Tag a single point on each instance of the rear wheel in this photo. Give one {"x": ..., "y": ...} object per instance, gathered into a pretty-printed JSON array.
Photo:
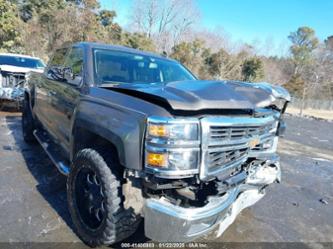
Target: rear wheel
[
  {"x": 28, "y": 125},
  {"x": 96, "y": 202}
]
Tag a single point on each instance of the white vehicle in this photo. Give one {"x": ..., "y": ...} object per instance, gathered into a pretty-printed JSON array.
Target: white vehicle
[{"x": 14, "y": 69}]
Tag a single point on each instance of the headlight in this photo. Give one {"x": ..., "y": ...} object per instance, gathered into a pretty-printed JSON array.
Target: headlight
[
  {"x": 172, "y": 146},
  {"x": 173, "y": 129},
  {"x": 173, "y": 160}
]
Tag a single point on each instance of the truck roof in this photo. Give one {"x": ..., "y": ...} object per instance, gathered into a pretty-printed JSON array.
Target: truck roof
[
  {"x": 93, "y": 45},
  {"x": 20, "y": 55}
]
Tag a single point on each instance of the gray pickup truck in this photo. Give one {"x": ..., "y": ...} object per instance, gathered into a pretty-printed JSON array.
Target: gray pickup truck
[{"x": 142, "y": 139}]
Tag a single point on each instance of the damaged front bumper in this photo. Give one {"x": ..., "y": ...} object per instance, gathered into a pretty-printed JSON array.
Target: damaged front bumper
[
  {"x": 13, "y": 94},
  {"x": 166, "y": 222}
]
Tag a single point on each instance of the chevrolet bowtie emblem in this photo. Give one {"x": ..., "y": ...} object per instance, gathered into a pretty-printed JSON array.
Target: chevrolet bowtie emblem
[{"x": 254, "y": 142}]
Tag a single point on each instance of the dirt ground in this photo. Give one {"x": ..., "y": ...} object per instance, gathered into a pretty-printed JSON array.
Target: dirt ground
[
  {"x": 300, "y": 209},
  {"x": 323, "y": 114}
]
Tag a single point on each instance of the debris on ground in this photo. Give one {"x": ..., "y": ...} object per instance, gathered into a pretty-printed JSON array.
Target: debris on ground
[
  {"x": 7, "y": 147},
  {"x": 295, "y": 204},
  {"x": 323, "y": 201}
]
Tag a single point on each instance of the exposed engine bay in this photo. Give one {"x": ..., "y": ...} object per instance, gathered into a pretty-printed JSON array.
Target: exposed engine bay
[
  {"x": 12, "y": 85},
  {"x": 14, "y": 72}
]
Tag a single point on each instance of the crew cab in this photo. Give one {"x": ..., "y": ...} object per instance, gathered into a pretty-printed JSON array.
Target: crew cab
[{"x": 143, "y": 139}]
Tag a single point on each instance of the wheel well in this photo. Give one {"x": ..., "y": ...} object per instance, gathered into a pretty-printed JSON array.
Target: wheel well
[
  {"x": 27, "y": 98},
  {"x": 84, "y": 138}
]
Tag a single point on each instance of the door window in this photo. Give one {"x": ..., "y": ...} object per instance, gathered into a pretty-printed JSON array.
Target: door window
[
  {"x": 58, "y": 57},
  {"x": 54, "y": 69},
  {"x": 73, "y": 66}
]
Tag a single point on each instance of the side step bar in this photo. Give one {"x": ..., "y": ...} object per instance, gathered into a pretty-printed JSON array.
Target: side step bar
[{"x": 51, "y": 151}]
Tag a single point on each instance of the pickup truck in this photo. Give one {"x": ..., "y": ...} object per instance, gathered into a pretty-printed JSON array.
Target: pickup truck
[
  {"x": 142, "y": 139},
  {"x": 14, "y": 69}
]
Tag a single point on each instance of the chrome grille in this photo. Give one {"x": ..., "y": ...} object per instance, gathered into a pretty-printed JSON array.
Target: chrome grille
[
  {"x": 225, "y": 158},
  {"x": 226, "y": 141},
  {"x": 10, "y": 79},
  {"x": 262, "y": 145},
  {"x": 236, "y": 133}
]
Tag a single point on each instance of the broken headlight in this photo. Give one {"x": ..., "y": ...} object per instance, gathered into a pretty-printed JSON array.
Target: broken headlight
[{"x": 279, "y": 104}]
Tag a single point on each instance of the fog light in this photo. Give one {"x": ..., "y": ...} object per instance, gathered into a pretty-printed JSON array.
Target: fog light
[{"x": 157, "y": 160}]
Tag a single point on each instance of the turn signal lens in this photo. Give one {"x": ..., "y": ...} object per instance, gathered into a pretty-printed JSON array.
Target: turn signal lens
[
  {"x": 157, "y": 160},
  {"x": 157, "y": 130}
]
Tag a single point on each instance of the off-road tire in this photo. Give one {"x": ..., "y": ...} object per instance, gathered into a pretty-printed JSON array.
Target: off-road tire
[
  {"x": 119, "y": 222},
  {"x": 28, "y": 125}
]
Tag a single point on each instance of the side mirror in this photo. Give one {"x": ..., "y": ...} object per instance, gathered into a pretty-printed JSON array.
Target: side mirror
[
  {"x": 68, "y": 74},
  {"x": 54, "y": 73}
]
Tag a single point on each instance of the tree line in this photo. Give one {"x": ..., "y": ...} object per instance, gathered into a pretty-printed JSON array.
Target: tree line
[{"x": 38, "y": 27}]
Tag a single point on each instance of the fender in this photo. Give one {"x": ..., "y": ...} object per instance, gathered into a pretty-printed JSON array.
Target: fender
[{"x": 122, "y": 127}]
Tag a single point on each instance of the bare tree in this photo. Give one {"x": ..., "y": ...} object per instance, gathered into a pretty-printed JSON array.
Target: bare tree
[
  {"x": 277, "y": 70},
  {"x": 145, "y": 16},
  {"x": 165, "y": 21},
  {"x": 215, "y": 39}
]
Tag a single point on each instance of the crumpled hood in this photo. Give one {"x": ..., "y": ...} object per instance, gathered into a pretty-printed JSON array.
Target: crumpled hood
[
  {"x": 14, "y": 69},
  {"x": 200, "y": 94}
]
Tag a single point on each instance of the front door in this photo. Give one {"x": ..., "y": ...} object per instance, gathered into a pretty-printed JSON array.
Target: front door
[
  {"x": 45, "y": 90},
  {"x": 67, "y": 95}
]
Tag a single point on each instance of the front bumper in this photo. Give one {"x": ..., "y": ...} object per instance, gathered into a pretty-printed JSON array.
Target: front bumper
[
  {"x": 13, "y": 94},
  {"x": 166, "y": 222}
]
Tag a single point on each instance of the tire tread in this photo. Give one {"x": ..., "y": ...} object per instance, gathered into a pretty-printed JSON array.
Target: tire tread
[{"x": 120, "y": 223}]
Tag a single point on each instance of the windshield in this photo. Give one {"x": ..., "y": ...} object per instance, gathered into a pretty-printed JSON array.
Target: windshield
[
  {"x": 122, "y": 67},
  {"x": 20, "y": 61}
]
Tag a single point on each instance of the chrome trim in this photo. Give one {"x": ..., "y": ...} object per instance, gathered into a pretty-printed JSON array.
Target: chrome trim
[
  {"x": 171, "y": 143},
  {"x": 216, "y": 148},
  {"x": 238, "y": 121},
  {"x": 166, "y": 149},
  {"x": 165, "y": 141},
  {"x": 214, "y": 206},
  {"x": 210, "y": 145},
  {"x": 190, "y": 223},
  {"x": 170, "y": 173},
  {"x": 219, "y": 170},
  {"x": 163, "y": 145},
  {"x": 63, "y": 168},
  {"x": 168, "y": 120},
  {"x": 186, "y": 223},
  {"x": 260, "y": 153}
]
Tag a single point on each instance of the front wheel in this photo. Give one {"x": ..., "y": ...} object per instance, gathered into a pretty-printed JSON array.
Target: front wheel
[{"x": 96, "y": 202}]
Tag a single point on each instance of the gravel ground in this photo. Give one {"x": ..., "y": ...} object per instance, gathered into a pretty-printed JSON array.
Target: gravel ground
[{"x": 300, "y": 209}]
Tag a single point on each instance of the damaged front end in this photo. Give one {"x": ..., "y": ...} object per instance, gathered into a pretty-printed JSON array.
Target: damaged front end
[
  {"x": 12, "y": 85},
  {"x": 202, "y": 172},
  {"x": 166, "y": 220},
  {"x": 15, "y": 70}
]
